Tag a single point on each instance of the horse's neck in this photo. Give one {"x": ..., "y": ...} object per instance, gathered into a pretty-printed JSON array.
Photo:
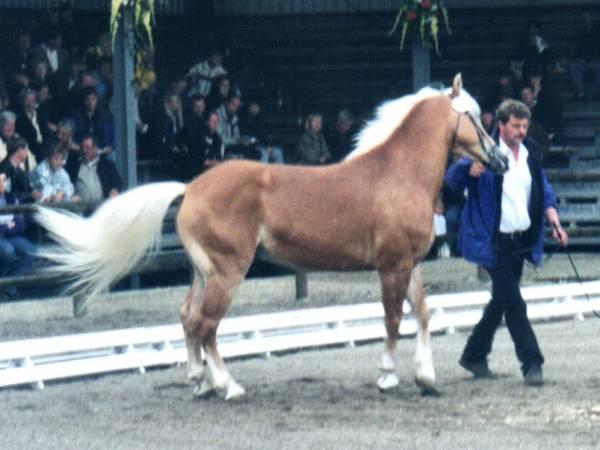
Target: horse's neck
[{"x": 419, "y": 150}]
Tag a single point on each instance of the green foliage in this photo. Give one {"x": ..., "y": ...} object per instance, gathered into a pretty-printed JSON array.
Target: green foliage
[
  {"x": 143, "y": 20},
  {"x": 420, "y": 20}
]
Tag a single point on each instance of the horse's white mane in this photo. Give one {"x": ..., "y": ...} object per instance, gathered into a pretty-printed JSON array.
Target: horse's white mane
[{"x": 391, "y": 114}]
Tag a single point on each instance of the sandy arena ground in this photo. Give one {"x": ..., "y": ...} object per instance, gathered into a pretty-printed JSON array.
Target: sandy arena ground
[{"x": 317, "y": 399}]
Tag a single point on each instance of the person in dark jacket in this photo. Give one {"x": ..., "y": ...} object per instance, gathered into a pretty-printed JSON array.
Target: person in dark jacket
[
  {"x": 501, "y": 226},
  {"x": 94, "y": 176},
  {"x": 16, "y": 251}
]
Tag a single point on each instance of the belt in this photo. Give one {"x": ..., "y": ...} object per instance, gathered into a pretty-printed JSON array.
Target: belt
[{"x": 513, "y": 235}]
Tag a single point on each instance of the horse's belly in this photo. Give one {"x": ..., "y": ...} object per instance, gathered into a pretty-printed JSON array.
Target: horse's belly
[{"x": 319, "y": 254}]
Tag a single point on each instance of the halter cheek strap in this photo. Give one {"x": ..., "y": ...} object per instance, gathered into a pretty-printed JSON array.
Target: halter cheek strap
[{"x": 455, "y": 133}]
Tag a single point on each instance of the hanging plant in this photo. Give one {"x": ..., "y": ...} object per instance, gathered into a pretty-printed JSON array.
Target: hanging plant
[
  {"x": 143, "y": 20},
  {"x": 420, "y": 20}
]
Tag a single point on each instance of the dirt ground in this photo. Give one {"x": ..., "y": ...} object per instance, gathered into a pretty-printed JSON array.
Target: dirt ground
[{"x": 317, "y": 399}]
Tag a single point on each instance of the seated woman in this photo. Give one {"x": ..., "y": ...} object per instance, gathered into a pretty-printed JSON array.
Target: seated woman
[
  {"x": 312, "y": 149},
  {"x": 52, "y": 180},
  {"x": 16, "y": 251}
]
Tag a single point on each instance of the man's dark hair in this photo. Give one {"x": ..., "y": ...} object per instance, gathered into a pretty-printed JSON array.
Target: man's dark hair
[
  {"x": 513, "y": 108},
  {"x": 15, "y": 143},
  {"x": 91, "y": 137},
  {"x": 87, "y": 91}
]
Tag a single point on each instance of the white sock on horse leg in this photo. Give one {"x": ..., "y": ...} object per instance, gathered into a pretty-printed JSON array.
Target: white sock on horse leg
[{"x": 424, "y": 357}]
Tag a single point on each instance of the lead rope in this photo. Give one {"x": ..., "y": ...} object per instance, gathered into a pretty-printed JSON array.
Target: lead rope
[{"x": 579, "y": 280}]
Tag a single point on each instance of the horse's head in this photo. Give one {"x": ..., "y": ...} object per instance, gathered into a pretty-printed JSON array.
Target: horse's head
[{"x": 469, "y": 138}]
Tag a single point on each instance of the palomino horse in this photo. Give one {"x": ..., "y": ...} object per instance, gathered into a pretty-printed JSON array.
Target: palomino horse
[{"x": 372, "y": 211}]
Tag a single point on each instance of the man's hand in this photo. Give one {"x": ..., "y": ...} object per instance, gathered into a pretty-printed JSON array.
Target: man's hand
[
  {"x": 560, "y": 235},
  {"x": 476, "y": 169}
]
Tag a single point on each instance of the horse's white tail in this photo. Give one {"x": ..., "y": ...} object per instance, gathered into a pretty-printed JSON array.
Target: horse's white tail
[{"x": 99, "y": 250}]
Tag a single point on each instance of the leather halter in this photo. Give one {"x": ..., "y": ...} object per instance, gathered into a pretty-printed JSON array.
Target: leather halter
[
  {"x": 455, "y": 132},
  {"x": 477, "y": 130}
]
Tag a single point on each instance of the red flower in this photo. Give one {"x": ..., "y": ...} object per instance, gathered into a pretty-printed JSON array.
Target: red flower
[
  {"x": 426, "y": 4},
  {"x": 411, "y": 15}
]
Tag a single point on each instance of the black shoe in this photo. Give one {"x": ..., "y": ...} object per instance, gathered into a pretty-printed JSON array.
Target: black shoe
[
  {"x": 478, "y": 369},
  {"x": 533, "y": 375}
]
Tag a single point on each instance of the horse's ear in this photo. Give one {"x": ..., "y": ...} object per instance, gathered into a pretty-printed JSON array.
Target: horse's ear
[{"x": 456, "y": 85}]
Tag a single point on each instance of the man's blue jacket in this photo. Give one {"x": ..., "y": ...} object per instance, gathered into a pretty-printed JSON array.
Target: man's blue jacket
[{"x": 480, "y": 220}]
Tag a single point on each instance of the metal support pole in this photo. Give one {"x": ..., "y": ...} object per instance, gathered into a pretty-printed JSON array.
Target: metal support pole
[
  {"x": 421, "y": 66},
  {"x": 124, "y": 102}
]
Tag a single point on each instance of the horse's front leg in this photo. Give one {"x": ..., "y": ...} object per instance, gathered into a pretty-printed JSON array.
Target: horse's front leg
[
  {"x": 425, "y": 373},
  {"x": 394, "y": 283}
]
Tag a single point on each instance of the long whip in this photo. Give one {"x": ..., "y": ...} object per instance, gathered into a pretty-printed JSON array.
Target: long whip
[{"x": 579, "y": 280}]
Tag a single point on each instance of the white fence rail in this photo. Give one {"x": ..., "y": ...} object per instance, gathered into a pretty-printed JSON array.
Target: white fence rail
[{"x": 36, "y": 361}]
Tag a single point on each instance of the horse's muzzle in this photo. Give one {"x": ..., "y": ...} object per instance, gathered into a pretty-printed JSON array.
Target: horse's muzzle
[{"x": 498, "y": 162}]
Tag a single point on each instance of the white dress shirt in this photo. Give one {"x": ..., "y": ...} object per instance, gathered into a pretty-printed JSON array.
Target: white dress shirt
[{"x": 516, "y": 191}]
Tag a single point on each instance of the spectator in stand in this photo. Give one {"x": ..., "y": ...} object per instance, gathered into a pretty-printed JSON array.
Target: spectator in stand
[
  {"x": 18, "y": 82},
  {"x": 32, "y": 125},
  {"x": 94, "y": 176},
  {"x": 39, "y": 73},
  {"x": 8, "y": 120},
  {"x": 71, "y": 35},
  {"x": 46, "y": 106},
  {"x": 18, "y": 178},
  {"x": 587, "y": 56},
  {"x": 168, "y": 123},
  {"x": 214, "y": 151},
  {"x": 102, "y": 49},
  {"x": 341, "y": 140},
  {"x": 4, "y": 97},
  {"x": 312, "y": 149},
  {"x": 16, "y": 251},
  {"x": 190, "y": 139},
  {"x": 93, "y": 119},
  {"x": 235, "y": 145},
  {"x": 51, "y": 51},
  {"x": 17, "y": 59},
  {"x": 52, "y": 180},
  {"x": 252, "y": 129},
  {"x": 219, "y": 93},
  {"x": 504, "y": 89},
  {"x": 546, "y": 109},
  {"x": 64, "y": 139},
  {"x": 532, "y": 53},
  {"x": 201, "y": 75},
  {"x": 103, "y": 80},
  {"x": 487, "y": 119},
  {"x": 74, "y": 97}
]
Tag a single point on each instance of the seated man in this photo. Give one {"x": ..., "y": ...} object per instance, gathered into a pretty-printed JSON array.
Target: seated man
[
  {"x": 18, "y": 179},
  {"x": 236, "y": 146},
  {"x": 52, "y": 180},
  {"x": 95, "y": 176},
  {"x": 251, "y": 127},
  {"x": 16, "y": 252}
]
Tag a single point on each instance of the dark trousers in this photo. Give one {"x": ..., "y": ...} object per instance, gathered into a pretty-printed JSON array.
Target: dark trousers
[{"x": 506, "y": 301}]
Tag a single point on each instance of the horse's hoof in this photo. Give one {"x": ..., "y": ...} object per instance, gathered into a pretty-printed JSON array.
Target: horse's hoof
[
  {"x": 234, "y": 391},
  {"x": 427, "y": 386},
  {"x": 387, "y": 381},
  {"x": 204, "y": 390},
  {"x": 196, "y": 376}
]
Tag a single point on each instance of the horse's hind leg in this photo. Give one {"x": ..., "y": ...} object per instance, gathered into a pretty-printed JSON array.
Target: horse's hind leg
[
  {"x": 195, "y": 363},
  {"x": 425, "y": 373},
  {"x": 394, "y": 283},
  {"x": 201, "y": 318}
]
